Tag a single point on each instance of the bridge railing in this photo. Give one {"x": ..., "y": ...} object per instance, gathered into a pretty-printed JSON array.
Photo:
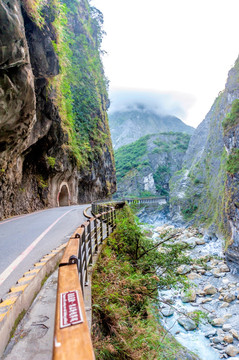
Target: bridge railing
[{"x": 71, "y": 336}]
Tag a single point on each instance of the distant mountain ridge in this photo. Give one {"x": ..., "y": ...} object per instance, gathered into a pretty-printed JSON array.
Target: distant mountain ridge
[{"x": 130, "y": 125}]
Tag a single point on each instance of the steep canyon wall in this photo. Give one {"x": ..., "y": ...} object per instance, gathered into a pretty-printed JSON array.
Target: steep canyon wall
[
  {"x": 205, "y": 191},
  {"x": 54, "y": 134}
]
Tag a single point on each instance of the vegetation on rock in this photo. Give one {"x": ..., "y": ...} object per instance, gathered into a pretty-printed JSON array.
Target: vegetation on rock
[
  {"x": 146, "y": 165},
  {"x": 232, "y": 117},
  {"x": 81, "y": 86},
  {"x": 233, "y": 162}
]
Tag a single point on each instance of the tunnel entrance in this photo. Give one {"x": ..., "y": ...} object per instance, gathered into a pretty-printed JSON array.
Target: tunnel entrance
[{"x": 64, "y": 196}]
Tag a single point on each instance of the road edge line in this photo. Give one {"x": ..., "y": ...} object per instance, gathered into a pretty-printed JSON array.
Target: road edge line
[{"x": 22, "y": 295}]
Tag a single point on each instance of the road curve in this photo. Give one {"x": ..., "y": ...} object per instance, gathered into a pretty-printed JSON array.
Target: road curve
[{"x": 25, "y": 239}]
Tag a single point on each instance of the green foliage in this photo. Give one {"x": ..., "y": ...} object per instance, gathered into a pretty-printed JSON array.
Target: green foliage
[
  {"x": 125, "y": 281},
  {"x": 232, "y": 117},
  {"x": 34, "y": 9},
  {"x": 161, "y": 177},
  {"x": 232, "y": 165},
  {"x": 146, "y": 193},
  {"x": 51, "y": 161},
  {"x": 189, "y": 210},
  {"x": 129, "y": 157},
  {"x": 42, "y": 183},
  {"x": 81, "y": 87}
]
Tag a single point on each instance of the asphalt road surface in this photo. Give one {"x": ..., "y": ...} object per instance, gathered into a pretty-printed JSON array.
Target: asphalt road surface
[{"x": 25, "y": 239}]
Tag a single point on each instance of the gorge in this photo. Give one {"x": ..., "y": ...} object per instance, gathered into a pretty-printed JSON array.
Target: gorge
[{"x": 56, "y": 150}]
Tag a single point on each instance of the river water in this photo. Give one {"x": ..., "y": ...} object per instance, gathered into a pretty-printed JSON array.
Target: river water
[{"x": 195, "y": 340}]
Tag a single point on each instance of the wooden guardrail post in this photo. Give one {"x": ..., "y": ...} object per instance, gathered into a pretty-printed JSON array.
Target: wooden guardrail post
[
  {"x": 101, "y": 229},
  {"x": 90, "y": 241},
  {"x": 84, "y": 265},
  {"x": 114, "y": 212},
  {"x": 107, "y": 223},
  {"x": 81, "y": 263},
  {"x": 96, "y": 234}
]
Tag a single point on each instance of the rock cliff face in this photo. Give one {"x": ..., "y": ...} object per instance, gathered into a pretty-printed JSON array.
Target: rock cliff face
[
  {"x": 37, "y": 166},
  {"x": 144, "y": 167},
  {"x": 128, "y": 126},
  {"x": 206, "y": 191}
]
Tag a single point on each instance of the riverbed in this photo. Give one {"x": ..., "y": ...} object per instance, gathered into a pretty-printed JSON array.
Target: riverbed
[{"x": 214, "y": 291}]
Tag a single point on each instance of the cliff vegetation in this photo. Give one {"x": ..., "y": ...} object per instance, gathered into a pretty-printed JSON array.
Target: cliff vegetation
[{"x": 144, "y": 167}]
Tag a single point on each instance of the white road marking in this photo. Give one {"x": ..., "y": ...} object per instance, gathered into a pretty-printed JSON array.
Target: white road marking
[{"x": 4, "y": 275}]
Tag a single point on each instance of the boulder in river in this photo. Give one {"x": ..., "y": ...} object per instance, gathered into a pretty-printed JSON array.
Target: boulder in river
[
  {"x": 187, "y": 323},
  {"x": 218, "y": 322},
  {"x": 228, "y": 338},
  {"x": 167, "y": 311},
  {"x": 200, "y": 241},
  {"x": 232, "y": 350},
  {"x": 234, "y": 333},
  {"x": 183, "y": 269},
  {"x": 188, "y": 296},
  {"x": 229, "y": 297},
  {"x": 193, "y": 276},
  {"x": 210, "y": 333},
  {"x": 210, "y": 289},
  {"x": 226, "y": 327},
  {"x": 224, "y": 268}
]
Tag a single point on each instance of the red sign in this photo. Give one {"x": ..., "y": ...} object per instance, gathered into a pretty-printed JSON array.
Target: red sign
[{"x": 70, "y": 309}]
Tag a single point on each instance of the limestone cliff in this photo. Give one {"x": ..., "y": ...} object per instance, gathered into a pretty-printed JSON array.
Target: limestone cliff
[
  {"x": 144, "y": 167},
  {"x": 205, "y": 191},
  {"x": 52, "y": 150},
  {"x": 131, "y": 124}
]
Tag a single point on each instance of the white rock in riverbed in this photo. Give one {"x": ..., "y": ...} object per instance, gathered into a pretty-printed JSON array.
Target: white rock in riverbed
[
  {"x": 200, "y": 241},
  {"x": 209, "y": 289},
  {"x": 228, "y": 338},
  {"x": 226, "y": 327},
  {"x": 218, "y": 322},
  {"x": 231, "y": 350},
  {"x": 234, "y": 333},
  {"x": 167, "y": 311},
  {"x": 229, "y": 297},
  {"x": 224, "y": 305},
  {"x": 193, "y": 276},
  {"x": 188, "y": 296},
  {"x": 187, "y": 323},
  {"x": 224, "y": 268},
  {"x": 183, "y": 269}
]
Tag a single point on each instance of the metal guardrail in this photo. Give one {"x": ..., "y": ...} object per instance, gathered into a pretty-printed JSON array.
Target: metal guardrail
[
  {"x": 148, "y": 200},
  {"x": 72, "y": 337}
]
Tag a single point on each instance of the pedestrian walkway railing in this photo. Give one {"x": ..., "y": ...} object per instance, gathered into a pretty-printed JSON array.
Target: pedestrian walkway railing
[{"x": 72, "y": 337}]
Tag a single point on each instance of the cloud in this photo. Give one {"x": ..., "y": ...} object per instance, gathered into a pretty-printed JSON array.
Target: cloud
[{"x": 163, "y": 103}]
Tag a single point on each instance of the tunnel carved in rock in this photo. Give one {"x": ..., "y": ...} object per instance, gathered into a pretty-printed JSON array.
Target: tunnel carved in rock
[{"x": 63, "y": 198}]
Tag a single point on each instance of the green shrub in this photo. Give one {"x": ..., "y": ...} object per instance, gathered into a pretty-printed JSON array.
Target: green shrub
[
  {"x": 232, "y": 117},
  {"x": 51, "y": 161},
  {"x": 232, "y": 165}
]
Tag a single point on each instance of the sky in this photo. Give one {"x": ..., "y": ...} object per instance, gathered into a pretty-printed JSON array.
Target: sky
[{"x": 178, "y": 51}]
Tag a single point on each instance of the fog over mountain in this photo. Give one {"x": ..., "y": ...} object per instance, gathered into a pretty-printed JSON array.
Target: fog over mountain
[
  {"x": 134, "y": 114},
  {"x": 168, "y": 103}
]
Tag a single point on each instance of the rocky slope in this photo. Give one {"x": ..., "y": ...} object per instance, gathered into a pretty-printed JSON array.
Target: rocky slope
[
  {"x": 129, "y": 125},
  {"x": 51, "y": 153},
  {"x": 206, "y": 189},
  {"x": 145, "y": 166}
]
